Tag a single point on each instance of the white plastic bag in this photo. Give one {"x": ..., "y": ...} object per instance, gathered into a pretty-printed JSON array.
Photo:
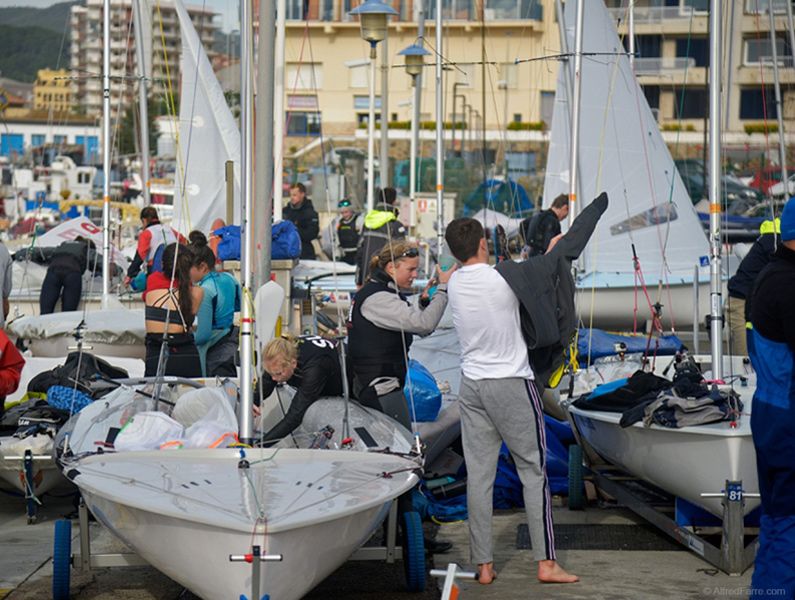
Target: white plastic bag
[{"x": 148, "y": 431}]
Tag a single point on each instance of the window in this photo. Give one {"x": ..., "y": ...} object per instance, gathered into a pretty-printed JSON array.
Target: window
[
  {"x": 698, "y": 49},
  {"x": 358, "y": 76},
  {"x": 547, "y": 108},
  {"x": 303, "y": 123},
  {"x": 501, "y": 10},
  {"x": 699, "y": 6},
  {"x": 296, "y": 9},
  {"x": 520, "y": 164},
  {"x": 363, "y": 103},
  {"x": 453, "y": 9},
  {"x": 693, "y": 105},
  {"x": 37, "y": 139},
  {"x": 646, "y": 46},
  {"x": 327, "y": 10},
  {"x": 364, "y": 117},
  {"x": 760, "y": 6},
  {"x": 59, "y": 139},
  {"x": 517, "y": 118},
  {"x": 306, "y": 76},
  {"x": 761, "y": 51},
  {"x": 652, "y": 93},
  {"x": 508, "y": 74},
  {"x": 753, "y": 101}
]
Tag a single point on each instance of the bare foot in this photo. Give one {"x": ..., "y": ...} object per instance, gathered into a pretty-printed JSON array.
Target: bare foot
[
  {"x": 550, "y": 571},
  {"x": 486, "y": 573}
]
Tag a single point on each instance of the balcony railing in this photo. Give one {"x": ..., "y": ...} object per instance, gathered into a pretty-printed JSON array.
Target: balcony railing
[
  {"x": 665, "y": 64},
  {"x": 653, "y": 14}
]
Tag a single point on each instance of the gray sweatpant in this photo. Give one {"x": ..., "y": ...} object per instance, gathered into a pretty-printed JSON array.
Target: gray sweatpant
[{"x": 493, "y": 411}]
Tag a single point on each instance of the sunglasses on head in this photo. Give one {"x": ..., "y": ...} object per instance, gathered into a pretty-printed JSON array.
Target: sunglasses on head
[
  {"x": 344, "y": 203},
  {"x": 413, "y": 252}
]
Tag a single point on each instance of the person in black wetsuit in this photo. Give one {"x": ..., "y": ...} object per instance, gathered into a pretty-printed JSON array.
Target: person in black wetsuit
[
  {"x": 64, "y": 277},
  {"x": 537, "y": 231},
  {"x": 311, "y": 364}
]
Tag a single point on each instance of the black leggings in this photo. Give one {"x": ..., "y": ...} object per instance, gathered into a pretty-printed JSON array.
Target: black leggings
[{"x": 182, "y": 356}]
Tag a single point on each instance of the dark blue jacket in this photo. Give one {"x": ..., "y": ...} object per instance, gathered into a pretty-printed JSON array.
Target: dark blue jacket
[{"x": 772, "y": 351}]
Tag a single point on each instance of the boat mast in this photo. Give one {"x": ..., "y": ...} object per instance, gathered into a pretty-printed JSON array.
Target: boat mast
[
  {"x": 439, "y": 132},
  {"x": 263, "y": 189},
  {"x": 245, "y": 417},
  {"x": 715, "y": 263},
  {"x": 419, "y": 7},
  {"x": 278, "y": 109},
  {"x": 575, "y": 114},
  {"x": 782, "y": 149},
  {"x": 106, "y": 150},
  {"x": 143, "y": 109}
]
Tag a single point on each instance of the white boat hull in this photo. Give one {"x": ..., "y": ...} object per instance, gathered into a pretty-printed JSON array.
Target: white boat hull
[
  {"x": 46, "y": 474},
  {"x": 684, "y": 462},
  {"x": 187, "y": 511},
  {"x": 611, "y": 304}
]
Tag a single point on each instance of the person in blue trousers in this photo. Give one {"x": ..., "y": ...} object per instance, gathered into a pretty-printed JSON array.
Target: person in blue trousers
[{"x": 772, "y": 354}]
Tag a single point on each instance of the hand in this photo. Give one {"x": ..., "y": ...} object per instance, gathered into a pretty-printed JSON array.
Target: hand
[
  {"x": 127, "y": 281},
  {"x": 553, "y": 241},
  {"x": 427, "y": 291},
  {"x": 256, "y": 410},
  {"x": 444, "y": 276}
]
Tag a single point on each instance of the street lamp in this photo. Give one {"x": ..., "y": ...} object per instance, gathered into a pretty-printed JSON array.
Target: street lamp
[
  {"x": 455, "y": 94},
  {"x": 373, "y": 16},
  {"x": 414, "y": 57}
]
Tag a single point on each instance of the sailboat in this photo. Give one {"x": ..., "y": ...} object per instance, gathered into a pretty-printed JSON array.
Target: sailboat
[
  {"x": 221, "y": 521},
  {"x": 651, "y": 216},
  {"x": 711, "y": 466}
]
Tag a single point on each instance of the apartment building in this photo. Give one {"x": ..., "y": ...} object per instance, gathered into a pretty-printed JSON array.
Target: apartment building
[
  {"x": 53, "y": 91},
  {"x": 327, "y": 66},
  {"x": 327, "y": 71},
  {"x": 162, "y": 47},
  {"x": 672, "y": 44}
]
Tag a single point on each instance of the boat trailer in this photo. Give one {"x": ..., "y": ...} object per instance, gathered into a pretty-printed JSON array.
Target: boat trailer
[{"x": 733, "y": 556}]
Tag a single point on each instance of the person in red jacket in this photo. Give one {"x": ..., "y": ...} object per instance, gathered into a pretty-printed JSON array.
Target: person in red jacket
[
  {"x": 154, "y": 236},
  {"x": 11, "y": 363}
]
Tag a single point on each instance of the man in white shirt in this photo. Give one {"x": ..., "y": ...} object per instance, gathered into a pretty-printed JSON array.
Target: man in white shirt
[{"x": 499, "y": 401}]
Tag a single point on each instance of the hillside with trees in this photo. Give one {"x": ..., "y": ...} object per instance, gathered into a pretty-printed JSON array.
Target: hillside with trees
[
  {"x": 53, "y": 18},
  {"x": 28, "y": 49}
]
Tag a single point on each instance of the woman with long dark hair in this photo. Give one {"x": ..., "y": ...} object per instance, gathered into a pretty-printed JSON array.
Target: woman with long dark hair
[
  {"x": 216, "y": 335},
  {"x": 172, "y": 303}
]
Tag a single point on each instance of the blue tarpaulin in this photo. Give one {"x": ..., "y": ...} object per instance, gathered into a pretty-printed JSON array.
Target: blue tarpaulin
[
  {"x": 603, "y": 344},
  {"x": 506, "y": 197}
]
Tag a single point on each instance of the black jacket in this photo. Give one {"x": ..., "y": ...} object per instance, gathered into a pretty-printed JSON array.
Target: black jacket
[
  {"x": 545, "y": 288},
  {"x": 317, "y": 374},
  {"x": 305, "y": 219},
  {"x": 757, "y": 258},
  {"x": 539, "y": 230}
]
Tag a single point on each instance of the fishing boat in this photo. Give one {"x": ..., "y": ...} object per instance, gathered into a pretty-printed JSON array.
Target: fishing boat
[
  {"x": 711, "y": 466},
  {"x": 650, "y": 234}
]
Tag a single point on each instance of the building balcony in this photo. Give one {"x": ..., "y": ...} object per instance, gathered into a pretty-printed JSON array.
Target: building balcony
[
  {"x": 653, "y": 14},
  {"x": 662, "y": 66}
]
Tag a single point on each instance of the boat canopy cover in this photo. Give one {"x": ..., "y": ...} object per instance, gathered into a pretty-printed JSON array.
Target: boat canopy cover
[
  {"x": 603, "y": 344},
  {"x": 118, "y": 326}
]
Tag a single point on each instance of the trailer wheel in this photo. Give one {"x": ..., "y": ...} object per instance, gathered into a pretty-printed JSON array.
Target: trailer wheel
[
  {"x": 61, "y": 559},
  {"x": 413, "y": 552}
]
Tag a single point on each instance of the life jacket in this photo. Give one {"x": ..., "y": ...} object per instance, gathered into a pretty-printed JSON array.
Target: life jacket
[
  {"x": 161, "y": 237},
  {"x": 348, "y": 232},
  {"x": 369, "y": 344}
]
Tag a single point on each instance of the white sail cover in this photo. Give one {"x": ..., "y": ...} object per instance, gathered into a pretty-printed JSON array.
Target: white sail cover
[
  {"x": 208, "y": 137},
  {"x": 622, "y": 153}
]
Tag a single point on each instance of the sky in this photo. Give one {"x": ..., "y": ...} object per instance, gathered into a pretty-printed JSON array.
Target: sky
[{"x": 228, "y": 9}]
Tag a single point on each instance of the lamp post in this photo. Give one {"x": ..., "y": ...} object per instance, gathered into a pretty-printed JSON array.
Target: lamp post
[
  {"x": 373, "y": 23},
  {"x": 455, "y": 95},
  {"x": 414, "y": 57},
  {"x": 464, "y": 118}
]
